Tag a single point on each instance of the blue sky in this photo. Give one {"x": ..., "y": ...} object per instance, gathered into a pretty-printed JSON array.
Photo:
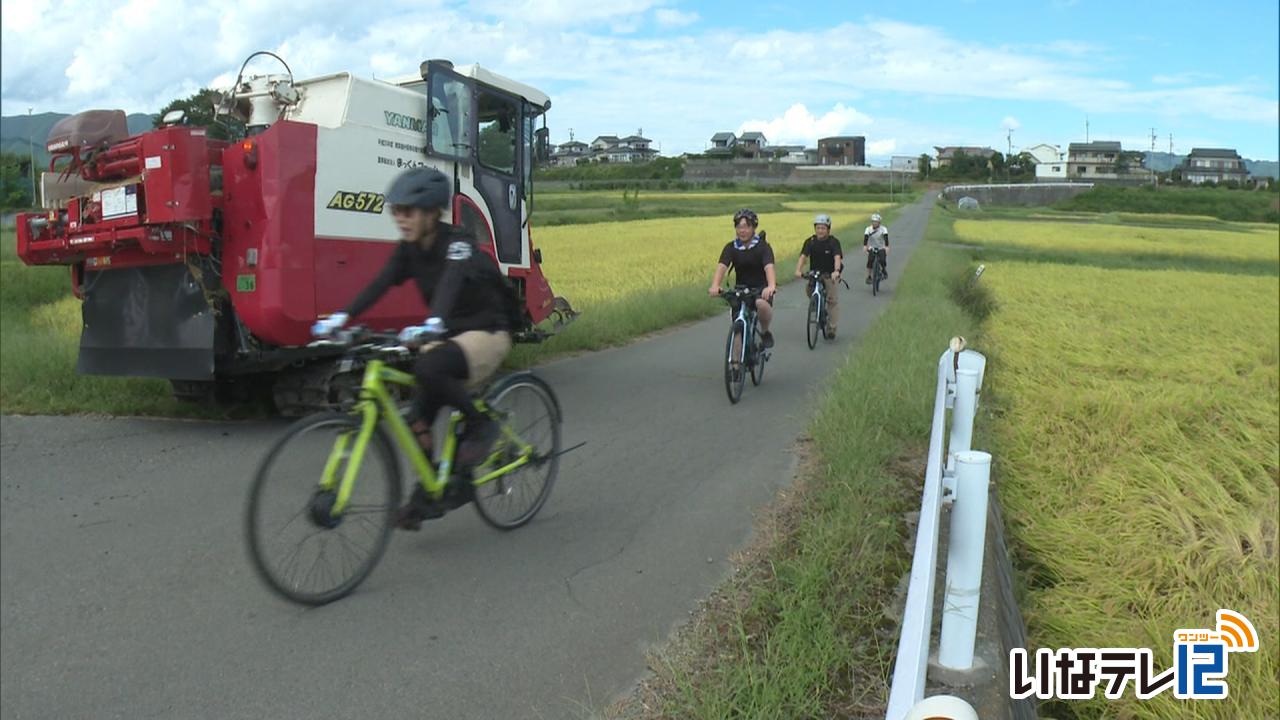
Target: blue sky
[{"x": 907, "y": 75}]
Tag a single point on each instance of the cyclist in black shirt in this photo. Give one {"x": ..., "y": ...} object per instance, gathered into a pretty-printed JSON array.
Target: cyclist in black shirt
[
  {"x": 471, "y": 303},
  {"x": 752, "y": 261},
  {"x": 824, "y": 254}
]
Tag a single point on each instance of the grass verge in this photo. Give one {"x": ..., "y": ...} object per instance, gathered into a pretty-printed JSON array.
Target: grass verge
[
  {"x": 1223, "y": 203},
  {"x": 802, "y": 630}
]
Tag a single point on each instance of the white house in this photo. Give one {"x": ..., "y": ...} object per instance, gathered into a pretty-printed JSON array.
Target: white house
[{"x": 1044, "y": 153}]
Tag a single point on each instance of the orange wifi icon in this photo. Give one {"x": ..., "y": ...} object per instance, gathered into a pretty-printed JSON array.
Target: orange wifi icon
[{"x": 1236, "y": 631}]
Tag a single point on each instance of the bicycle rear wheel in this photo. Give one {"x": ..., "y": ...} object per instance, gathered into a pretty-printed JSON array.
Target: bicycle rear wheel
[
  {"x": 530, "y": 410},
  {"x": 299, "y": 548},
  {"x": 734, "y": 377},
  {"x": 758, "y": 357},
  {"x": 811, "y": 325}
]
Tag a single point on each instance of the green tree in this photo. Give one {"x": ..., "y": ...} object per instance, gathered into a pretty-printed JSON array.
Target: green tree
[
  {"x": 199, "y": 109},
  {"x": 15, "y": 182},
  {"x": 924, "y": 166}
]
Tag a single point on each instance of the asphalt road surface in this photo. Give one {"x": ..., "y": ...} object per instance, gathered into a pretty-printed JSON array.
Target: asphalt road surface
[{"x": 126, "y": 591}]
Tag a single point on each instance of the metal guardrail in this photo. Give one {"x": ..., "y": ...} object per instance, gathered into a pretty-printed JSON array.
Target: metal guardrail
[{"x": 957, "y": 475}]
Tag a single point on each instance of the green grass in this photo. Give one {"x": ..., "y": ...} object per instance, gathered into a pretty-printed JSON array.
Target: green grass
[
  {"x": 39, "y": 343},
  {"x": 809, "y": 636},
  {"x": 1222, "y": 203},
  {"x": 1135, "y": 428}
]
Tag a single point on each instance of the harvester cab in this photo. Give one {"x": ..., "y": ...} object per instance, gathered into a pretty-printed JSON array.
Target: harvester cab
[{"x": 205, "y": 261}]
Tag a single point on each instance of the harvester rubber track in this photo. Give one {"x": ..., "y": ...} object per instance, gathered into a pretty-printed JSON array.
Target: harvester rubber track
[{"x": 317, "y": 387}]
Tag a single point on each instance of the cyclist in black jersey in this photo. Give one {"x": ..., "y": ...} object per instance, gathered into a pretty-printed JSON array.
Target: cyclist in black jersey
[{"x": 751, "y": 259}]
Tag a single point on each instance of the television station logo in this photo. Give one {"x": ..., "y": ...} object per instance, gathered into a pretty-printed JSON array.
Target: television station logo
[{"x": 1200, "y": 665}]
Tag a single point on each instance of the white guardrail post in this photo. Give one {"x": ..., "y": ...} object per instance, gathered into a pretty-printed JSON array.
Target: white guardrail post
[
  {"x": 964, "y": 560},
  {"x": 912, "y": 663},
  {"x": 960, "y": 375}
]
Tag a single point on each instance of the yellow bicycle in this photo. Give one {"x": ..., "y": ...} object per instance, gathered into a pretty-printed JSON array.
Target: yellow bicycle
[{"x": 317, "y": 523}]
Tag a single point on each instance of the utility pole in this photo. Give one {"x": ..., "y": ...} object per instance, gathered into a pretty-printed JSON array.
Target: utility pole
[
  {"x": 1009, "y": 150},
  {"x": 31, "y": 154},
  {"x": 1086, "y": 129},
  {"x": 1153, "y": 152}
]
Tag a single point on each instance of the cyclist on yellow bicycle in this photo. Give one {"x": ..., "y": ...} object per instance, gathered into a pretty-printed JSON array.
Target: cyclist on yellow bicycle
[{"x": 473, "y": 310}]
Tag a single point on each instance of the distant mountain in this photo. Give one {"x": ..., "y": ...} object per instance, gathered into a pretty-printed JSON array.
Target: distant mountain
[
  {"x": 1164, "y": 162},
  {"x": 22, "y": 134}
]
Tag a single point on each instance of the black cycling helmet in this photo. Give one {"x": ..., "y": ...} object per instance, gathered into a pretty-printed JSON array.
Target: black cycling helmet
[
  {"x": 423, "y": 187},
  {"x": 748, "y": 214}
]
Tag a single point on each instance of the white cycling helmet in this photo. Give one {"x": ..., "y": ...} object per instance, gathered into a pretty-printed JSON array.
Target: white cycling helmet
[
  {"x": 875, "y": 217},
  {"x": 823, "y": 219}
]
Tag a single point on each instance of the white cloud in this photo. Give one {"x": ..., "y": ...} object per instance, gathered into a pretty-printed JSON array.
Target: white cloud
[
  {"x": 681, "y": 85},
  {"x": 668, "y": 17},
  {"x": 1010, "y": 123},
  {"x": 881, "y": 148},
  {"x": 798, "y": 125}
]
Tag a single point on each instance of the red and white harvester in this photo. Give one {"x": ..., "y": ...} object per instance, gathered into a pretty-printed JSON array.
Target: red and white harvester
[{"x": 205, "y": 261}]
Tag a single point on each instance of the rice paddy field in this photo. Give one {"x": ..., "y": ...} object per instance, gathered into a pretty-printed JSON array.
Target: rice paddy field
[
  {"x": 1137, "y": 437},
  {"x": 627, "y": 277}
]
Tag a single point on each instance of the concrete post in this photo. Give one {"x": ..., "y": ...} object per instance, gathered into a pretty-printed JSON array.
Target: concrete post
[{"x": 967, "y": 542}]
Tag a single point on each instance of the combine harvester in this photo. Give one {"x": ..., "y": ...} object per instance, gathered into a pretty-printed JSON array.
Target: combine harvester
[{"x": 204, "y": 262}]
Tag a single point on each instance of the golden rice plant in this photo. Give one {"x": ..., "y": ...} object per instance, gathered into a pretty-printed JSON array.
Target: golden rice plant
[
  {"x": 1137, "y": 441},
  {"x": 1259, "y": 242}
]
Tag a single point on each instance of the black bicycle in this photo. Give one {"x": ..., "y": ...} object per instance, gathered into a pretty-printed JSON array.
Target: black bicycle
[
  {"x": 744, "y": 350},
  {"x": 817, "y": 322},
  {"x": 877, "y": 269}
]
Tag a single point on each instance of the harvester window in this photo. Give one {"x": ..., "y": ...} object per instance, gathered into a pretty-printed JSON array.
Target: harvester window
[
  {"x": 449, "y": 110},
  {"x": 499, "y": 132}
]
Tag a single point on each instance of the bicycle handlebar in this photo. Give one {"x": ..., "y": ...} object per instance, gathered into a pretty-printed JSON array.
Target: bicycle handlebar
[{"x": 358, "y": 338}]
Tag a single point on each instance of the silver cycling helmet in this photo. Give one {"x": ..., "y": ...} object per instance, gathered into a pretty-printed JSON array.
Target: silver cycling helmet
[
  {"x": 875, "y": 217},
  {"x": 823, "y": 219}
]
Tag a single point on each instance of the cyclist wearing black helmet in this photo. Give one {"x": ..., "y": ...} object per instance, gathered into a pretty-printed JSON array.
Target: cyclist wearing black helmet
[
  {"x": 472, "y": 314},
  {"x": 752, "y": 261}
]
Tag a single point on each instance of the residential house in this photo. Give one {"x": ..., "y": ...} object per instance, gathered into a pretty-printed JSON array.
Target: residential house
[
  {"x": 1052, "y": 171},
  {"x": 1044, "y": 153},
  {"x": 753, "y": 144},
  {"x": 842, "y": 150},
  {"x": 948, "y": 153},
  {"x": 722, "y": 144},
  {"x": 1093, "y": 160},
  {"x": 568, "y": 154},
  {"x": 604, "y": 142},
  {"x": 1214, "y": 165},
  {"x": 611, "y": 148}
]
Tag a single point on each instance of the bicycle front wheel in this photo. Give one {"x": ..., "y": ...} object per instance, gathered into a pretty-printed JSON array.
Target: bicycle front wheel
[
  {"x": 300, "y": 547},
  {"x": 811, "y": 326},
  {"x": 734, "y": 374},
  {"x": 876, "y": 272},
  {"x": 530, "y": 411}
]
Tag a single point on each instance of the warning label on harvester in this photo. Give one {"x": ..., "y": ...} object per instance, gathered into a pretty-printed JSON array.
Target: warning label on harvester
[{"x": 118, "y": 202}]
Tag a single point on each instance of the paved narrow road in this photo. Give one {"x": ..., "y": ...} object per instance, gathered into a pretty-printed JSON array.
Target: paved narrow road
[{"x": 125, "y": 591}]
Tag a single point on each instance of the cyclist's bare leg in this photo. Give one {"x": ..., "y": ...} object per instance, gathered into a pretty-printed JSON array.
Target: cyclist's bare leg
[
  {"x": 833, "y": 304},
  {"x": 765, "y": 311}
]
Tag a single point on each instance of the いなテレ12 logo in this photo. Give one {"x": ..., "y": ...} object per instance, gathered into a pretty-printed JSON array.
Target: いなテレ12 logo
[{"x": 1200, "y": 656}]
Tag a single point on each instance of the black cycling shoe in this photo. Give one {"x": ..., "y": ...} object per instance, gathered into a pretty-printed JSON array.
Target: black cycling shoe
[
  {"x": 478, "y": 441},
  {"x": 420, "y": 507},
  {"x": 767, "y": 337}
]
